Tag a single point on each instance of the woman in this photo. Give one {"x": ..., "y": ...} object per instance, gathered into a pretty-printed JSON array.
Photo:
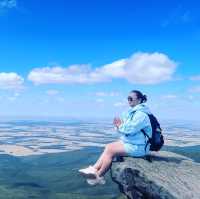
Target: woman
[{"x": 132, "y": 141}]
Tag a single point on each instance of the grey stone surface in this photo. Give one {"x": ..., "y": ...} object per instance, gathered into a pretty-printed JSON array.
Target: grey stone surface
[{"x": 167, "y": 176}]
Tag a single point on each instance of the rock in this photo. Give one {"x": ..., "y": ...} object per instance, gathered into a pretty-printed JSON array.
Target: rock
[{"x": 167, "y": 176}]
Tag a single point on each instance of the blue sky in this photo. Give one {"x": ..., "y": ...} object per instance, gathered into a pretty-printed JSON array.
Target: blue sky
[{"x": 81, "y": 58}]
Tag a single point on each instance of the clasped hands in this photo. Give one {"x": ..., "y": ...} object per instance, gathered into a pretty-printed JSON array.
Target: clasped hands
[{"x": 117, "y": 122}]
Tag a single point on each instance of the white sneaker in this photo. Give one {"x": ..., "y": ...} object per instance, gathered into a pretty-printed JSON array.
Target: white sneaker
[
  {"x": 97, "y": 180},
  {"x": 89, "y": 172}
]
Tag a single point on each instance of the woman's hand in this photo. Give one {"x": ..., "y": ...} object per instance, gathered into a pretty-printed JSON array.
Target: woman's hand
[{"x": 117, "y": 122}]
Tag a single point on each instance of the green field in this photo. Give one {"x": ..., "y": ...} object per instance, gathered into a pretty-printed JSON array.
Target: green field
[{"x": 52, "y": 176}]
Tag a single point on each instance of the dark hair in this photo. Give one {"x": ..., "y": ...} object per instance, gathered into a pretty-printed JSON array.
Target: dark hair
[{"x": 140, "y": 95}]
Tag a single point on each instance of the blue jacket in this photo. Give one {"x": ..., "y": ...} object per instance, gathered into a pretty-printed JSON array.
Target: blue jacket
[{"x": 134, "y": 120}]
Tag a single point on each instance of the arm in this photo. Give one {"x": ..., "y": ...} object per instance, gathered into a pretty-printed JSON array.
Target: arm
[{"x": 134, "y": 125}]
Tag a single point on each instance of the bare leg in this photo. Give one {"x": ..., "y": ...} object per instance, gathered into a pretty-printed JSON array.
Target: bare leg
[
  {"x": 111, "y": 150},
  {"x": 99, "y": 162}
]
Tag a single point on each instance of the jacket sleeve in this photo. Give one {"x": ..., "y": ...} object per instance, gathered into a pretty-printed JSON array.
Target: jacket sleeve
[{"x": 134, "y": 125}]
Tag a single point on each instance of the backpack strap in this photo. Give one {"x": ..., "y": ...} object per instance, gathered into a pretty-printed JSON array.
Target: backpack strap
[{"x": 148, "y": 141}]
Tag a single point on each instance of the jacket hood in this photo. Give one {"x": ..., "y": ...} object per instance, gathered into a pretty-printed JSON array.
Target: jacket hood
[{"x": 140, "y": 107}]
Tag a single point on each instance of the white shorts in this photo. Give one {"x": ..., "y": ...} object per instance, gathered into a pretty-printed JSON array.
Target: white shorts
[{"x": 135, "y": 150}]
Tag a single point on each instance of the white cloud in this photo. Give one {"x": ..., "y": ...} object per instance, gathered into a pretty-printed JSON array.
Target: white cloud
[
  {"x": 104, "y": 94},
  {"x": 52, "y": 92},
  {"x": 146, "y": 68},
  {"x": 60, "y": 99},
  {"x": 11, "y": 81},
  {"x": 100, "y": 100},
  {"x": 16, "y": 94},
  {"x": 195, "y": 89},
  {"x": 191, "y": 97},
  {"x": 7, "y": 4},
  {"x": 140, "y": 68},
  {"x": 112, "y": 94},
  {"x": 114, "y": 70},
  {"x": 170, "y": 96},
  {"x": 58, "y": 75},
  {"x": 121, "y": 104},
  {"x": 195, "y": 78},
  {"x": 11, "y": 99}
]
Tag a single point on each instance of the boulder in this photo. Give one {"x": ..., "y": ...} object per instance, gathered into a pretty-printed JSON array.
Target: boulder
[{"x": 163, "y": 175}]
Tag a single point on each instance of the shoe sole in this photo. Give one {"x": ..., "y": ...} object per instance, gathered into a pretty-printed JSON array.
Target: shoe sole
[{"x": 88, "y": 175}]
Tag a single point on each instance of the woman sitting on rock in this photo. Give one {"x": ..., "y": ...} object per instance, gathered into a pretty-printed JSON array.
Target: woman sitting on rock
[{"x": 132, "y": 141}]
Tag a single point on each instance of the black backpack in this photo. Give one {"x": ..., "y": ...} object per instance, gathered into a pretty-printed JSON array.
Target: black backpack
[{"x": 157, "y": 140}]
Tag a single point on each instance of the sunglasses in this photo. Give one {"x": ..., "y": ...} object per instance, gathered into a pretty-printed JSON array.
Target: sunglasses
[{"x": 131, "y": 99}]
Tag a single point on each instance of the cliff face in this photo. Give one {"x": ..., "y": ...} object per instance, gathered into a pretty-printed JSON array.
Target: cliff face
[{"x": 167, "y": 176}]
